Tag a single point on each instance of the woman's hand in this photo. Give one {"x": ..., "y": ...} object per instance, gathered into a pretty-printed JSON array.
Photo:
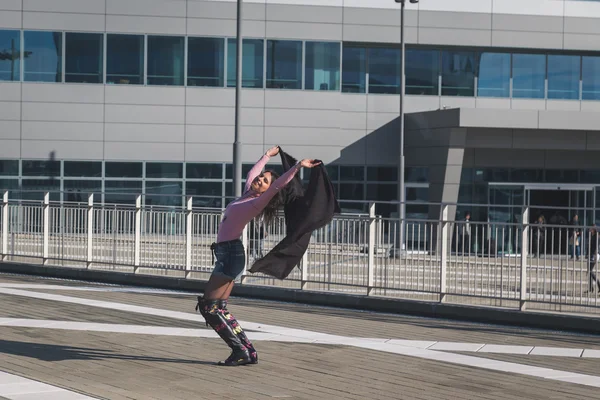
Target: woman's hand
[
  {"x": 306, "y": 163},
  {"x": 273, "y": 151}
]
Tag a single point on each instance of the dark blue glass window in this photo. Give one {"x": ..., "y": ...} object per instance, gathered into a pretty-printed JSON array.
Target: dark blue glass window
[
  {"x": 43, "y": 56},
  {"x": 123, "y": 169},
  {"x": 384, "y": 70},
  {"x": 354, "y": 69},
  {"x": 83, "y": 168},
  {"x": 284, "y": 64},
  {"x": 10, "y": 55},
  {"x": 164, "y": 193},
  {"x": 529, "y": 76},
  {"x": 252, "y": 63},
  {"x": 322, "y": 66},
  {"x": 206, "y": 194},
  {"x": 493, "y": 75},
  {"x": 203, "y": 171},
  {"x": 164, "y": 170},
  {"x": 9, "y": 167},
  {"x": 121, "y": 192},
  {"x": 206, "y": 62},
  {"x": 84, "y": 57},
  {"x": 165, "y": 60},
  {"x": 590, "y": 69},
  {"x": 41, "y": 168},
  {"x": 422, "y": 72},
  {"x": 563, "y": 77},
  {"x": 125, "y": 59},
  {"x": 458, "y": 73}
]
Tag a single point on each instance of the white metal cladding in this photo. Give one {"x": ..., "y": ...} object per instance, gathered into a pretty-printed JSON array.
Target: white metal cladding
[{"x": 489, "y": 263}]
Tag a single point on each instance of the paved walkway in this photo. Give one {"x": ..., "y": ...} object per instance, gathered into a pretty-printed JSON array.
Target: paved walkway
[{"x": 67, "y": 340}]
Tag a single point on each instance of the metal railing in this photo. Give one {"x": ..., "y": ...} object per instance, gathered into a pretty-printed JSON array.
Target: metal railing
[{"x": 484, "y": 263}]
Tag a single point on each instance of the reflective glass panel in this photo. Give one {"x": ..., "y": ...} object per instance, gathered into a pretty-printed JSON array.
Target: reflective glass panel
[
  {"x": 121, "y": 192},
  {"x": 382, "y": 174},
  {"x": 9, "y": 167},
  {"x": 422, "y": 72},
  {"x": 252, "y": 63},
  {"x": 164, "y": 193},
  {"x": 8, "y": 184},
  {"x": 10, "y": 55},
  {"x": 79, "y": 190},
  {"x": 354, "y": 69},
  {"x": 322, "y": 66},
  {"x": 458, "y": 73},
  {"x": 123, "y": 170},
  {"x": 84, "y": 57},
  {"x": 384, "y": 67},
  {"x": 206, "y": 194},
  {"x": 563, "y": 77},
  {"x": 206, "y": 62},
  {"x": 352, "y": 173},
  {"x": 34, "y": 189},
  {"x": 164, "y": 170},
  {"x": 41, "y": 168},
  {"x": 165, "y": 60},
  {"x": 493, "y": 75},
  {"x": 203, "y": 171},
  {"x": 529, "y": 76},
  {"x": 43, "y": 56},
  {"x": 125, "y": 59},
  {"x": 284, "y": 64},
  {"x": 590, "y": 69},
  {"x": 83, "y": 168}
]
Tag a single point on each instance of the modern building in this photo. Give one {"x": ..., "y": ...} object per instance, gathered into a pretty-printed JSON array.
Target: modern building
[{"x": 137, "y": 96}]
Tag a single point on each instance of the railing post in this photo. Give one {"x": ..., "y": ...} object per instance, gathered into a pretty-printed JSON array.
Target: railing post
[
  {"x": 188, "y": 237},
  {"x": 304, "y": 271},
  {"x": 524, "y": 256},
  {"x": 371, "y": 249},
  {"x": 138, "y": 232},
  {"x": 5, "y": 226},
  {"x": 245, "y": 244},
  {"x": 46, "y": 227},
  {"x": 444, "y": 233},
  {"x": 90, "y": 229}
]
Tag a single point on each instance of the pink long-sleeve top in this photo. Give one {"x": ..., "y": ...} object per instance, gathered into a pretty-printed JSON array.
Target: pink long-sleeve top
[{"x": 242, "y": 210}]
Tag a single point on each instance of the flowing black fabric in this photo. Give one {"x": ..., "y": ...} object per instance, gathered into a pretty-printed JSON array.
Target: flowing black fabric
[{"x": 305, "y": 209}]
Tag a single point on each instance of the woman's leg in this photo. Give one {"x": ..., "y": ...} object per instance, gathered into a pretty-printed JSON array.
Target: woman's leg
[{"x": 218, "y": 287}]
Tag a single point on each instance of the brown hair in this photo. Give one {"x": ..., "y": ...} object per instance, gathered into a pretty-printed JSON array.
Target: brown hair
[{"x": 269, "y": 213}]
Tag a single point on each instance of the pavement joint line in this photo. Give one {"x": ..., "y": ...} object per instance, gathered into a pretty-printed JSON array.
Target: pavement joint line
[{"x": 442, "y": 356}]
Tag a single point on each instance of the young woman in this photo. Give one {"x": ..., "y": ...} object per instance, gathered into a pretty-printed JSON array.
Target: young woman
[{"x": 261, "y": 197}]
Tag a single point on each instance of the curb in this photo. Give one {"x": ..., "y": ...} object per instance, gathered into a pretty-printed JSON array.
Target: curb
[{"x": 553, "y": 321}]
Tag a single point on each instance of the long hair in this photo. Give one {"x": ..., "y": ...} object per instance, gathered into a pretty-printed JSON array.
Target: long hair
[{"x": 269, "y": 213}]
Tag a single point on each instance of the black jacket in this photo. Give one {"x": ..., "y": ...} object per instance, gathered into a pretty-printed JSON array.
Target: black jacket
[{"x": 306, "y": 210}]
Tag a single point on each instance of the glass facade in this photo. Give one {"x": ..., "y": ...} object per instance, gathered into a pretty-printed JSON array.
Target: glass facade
[
  {"x": 43, "y": 56},
  {"x": 529, "y": 76},
  {"x": 493, "y": 75},
  {"x": 10, "y": 55},
  {"x": 125, "y": 59},
  {"x": 422, "y": 72},
  {"x": 322, "y": 66},
  {"x": 354, "y": 70},
  {"x": 165, "y": 60},
  {"x": 590, "y": 76},
  {"x": 563, "y": 77},
  {"x": 206, "y": 61},
  {"x": 383, "y": 67},
  {"x": 284, "y": 64},
  {"x": 84, "y": 54},
  {"x": 458, "y": 73},
  {"x": 252, "y": 63}
]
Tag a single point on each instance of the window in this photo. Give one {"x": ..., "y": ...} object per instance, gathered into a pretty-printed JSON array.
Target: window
[
  {"x": 529, "y": 76},
  {"x": 252, "y": 63},
  {"x": 206, "y": 62},
  {"x": 8, "y": 184},
  {"x": 165, "y": 60},
  {"x": 10, "y": 55},
  {"x": 354, "y": 70},
  {"x": 34, "y": 189},
  {"x": 493, "y": 75},
  {"x": 322, "y": 66},
  {"x": 125, "y": 59},
  {"x": 422, "y": 72},
  {"x": 79, "y": 190},
  {"x": 84, "y": 57},
  {"x": 41, "y": 168},
  {"x": 384, "y": 70},
  {"x": 351, "y": 191},
  {"x": 563, "y": 77},
  {"x": 9, "y": 167},
  {"x": 416, "y": 174},
  {"x": 123, "y": 170},
  {"x": 164, "y": 193},
  {"x": 382, "y": 174},
  {"x": 121, "y": 192},
  {"x": 351, "y": 173},
  {"x": 43, "y": 56},
  {"x": 284, "y": 64},
  {"x": 458, "y": 73},
  {"x": 203, "y": 171},
  {"x": 590, "y": 68},
  {"x": 164, "y": 170},
  {"x": 206, "y": 194},
  {"x": 245, "y": 169},
  {"x": 83, "y": 168}
]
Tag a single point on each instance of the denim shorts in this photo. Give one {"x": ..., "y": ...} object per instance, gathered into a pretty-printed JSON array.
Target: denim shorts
[{"x": 230, "y": 259}]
